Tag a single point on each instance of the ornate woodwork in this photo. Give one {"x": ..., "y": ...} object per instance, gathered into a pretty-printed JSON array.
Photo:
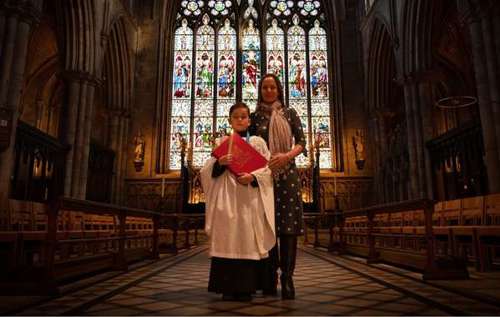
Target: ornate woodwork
[
  {"x": 39, "y": 165},
  {"x": 457, "y": 163}
]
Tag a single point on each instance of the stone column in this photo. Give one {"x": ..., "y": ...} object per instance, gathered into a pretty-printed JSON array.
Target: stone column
[
  {"x": 412, "y": 141},
  {"x": 426, "y": 106},
  {"x": 78, "y": 126},
  {"x": 496, "y": 36},
  {"x": 125, "y": 148},
  {"x": 18, "y": 18},
  {"x": 376, "y": 150},
  {"x": 7, "y": 54},
  {"x": 119, "y": 144},
  {"x": 419, "y": 130},
  {"x": 2, "y": 27},
  {"x": 70, "y": 130},
  {"x": 89, "y": 116},
  {"x": 485, "y": 106},
  {"x": 118, "y": 158},
  {"x": 79, "y": 138},
  {"x": 114, "y": 146},
  {"x": 417, "y": 105},
  {"x": 492, "y": 68}
]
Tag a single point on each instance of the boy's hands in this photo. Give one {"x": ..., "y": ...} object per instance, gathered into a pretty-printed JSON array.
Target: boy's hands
[
  {"x": 245, "y": 178},
  {"x": 226, "y": 159}
]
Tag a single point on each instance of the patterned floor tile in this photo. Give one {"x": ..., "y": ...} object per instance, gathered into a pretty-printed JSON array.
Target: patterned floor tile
[{"x": 325, "y": 285}]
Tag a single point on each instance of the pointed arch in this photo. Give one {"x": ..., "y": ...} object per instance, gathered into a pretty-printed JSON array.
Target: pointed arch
[
  {"x": 416, "y": 35},
  {"x": 244, "y": 11}
]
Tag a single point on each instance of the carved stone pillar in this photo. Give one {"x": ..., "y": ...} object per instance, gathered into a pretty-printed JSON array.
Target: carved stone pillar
[
  {"x": 496, "y": 36},
  {"x": 374, "y": 125},
  {"x": 89, "y": 115},
  {"x": 492, "y": 68},
  {"x": 426, "y": 106},
  {"x": 487, "y": 114},
  {"x": 409, "y": 92},
  {"x": 419, "y": 130},
  {"x": 119, "y": 158},
  {"x": 77, "y": 132},
  {"x": 119, "y": 144},
  {"x": 114, "y": 116},
  {"x": 7, "y": 54},
  {"x": 17, "y": 20}
]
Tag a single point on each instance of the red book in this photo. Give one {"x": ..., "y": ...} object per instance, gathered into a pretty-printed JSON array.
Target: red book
[{"x": 245, "y": 158}]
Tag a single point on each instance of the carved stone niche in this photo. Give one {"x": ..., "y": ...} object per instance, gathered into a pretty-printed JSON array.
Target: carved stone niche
[
  {"x": 358, "y": 143},
  {"x": 139, "y": 151}
]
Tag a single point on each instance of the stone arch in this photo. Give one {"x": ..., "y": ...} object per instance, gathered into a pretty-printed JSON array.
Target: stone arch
[
  {"x": 114, "y": 102},
  {"x": 386, "y": 104},
  {"x": 42, "y": 96},
  {"x": 416, "y": 34}
]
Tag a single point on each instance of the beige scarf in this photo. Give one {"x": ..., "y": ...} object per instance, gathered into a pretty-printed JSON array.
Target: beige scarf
[{"x": 280, "y": 132}]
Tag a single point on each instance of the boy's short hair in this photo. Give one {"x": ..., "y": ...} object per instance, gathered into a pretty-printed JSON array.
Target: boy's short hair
[{"x": 237, "y": 106}]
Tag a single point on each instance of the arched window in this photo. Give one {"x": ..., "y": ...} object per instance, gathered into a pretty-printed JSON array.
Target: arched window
[{"x": 232, "y": 45}]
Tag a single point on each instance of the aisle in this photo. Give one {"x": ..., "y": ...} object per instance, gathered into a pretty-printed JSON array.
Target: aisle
[{"x": 178, "y": 287}]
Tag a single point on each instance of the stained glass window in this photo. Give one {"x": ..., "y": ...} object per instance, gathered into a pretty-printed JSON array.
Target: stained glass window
[
  {"x": 203, "y": 105},
  {"x": 320, "y": 102},
  {"x": 181, "y": 109},
  {"x": 250, "y": 74},
  {"x": 309, "y": 7},
  {"x": 226, "y": 79},
  {"x": 219, "y": 59},
  {"x": 275, "y": 43},
  {"x": 297, "y": 78}
]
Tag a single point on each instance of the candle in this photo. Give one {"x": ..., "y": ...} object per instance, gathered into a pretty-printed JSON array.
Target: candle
[
  {"x": 335, "y": 185},
  {"x": 230, "y": 147},
  {"x": 162, "y": 187}
]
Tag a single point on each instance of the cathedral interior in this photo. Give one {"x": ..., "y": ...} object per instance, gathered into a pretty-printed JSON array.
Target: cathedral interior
[{"x": 109, "y": 108}]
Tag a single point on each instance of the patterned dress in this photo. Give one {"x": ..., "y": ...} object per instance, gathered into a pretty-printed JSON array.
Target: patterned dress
[{"x": 287, "y": 191}]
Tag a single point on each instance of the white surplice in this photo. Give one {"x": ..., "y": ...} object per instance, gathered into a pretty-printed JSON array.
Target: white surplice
[{"x": 239, "y": 219}]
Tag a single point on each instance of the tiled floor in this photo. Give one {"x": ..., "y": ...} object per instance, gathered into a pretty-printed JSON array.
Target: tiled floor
[{"x": 325, "y": 284}]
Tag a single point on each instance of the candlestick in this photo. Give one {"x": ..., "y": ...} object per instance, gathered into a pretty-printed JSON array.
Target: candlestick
[{"x": 230, "y": 147}]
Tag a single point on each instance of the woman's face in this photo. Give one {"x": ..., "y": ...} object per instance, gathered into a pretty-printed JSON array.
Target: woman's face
[{"x": 269, "y": 90}]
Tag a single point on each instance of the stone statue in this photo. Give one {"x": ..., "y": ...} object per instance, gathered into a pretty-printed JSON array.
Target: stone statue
[
  {"x": 359, "y": 149},
  {"x": 139, "y": 150}
]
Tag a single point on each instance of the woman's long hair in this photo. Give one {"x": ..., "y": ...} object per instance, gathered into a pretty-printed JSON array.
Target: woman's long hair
[{"x": 281, "y": 98}]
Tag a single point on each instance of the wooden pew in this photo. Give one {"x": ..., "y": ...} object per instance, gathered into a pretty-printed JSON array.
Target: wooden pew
[{"x": 488, "y": 236}]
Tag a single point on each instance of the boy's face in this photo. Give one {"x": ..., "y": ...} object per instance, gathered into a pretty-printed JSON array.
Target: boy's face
[{"x": 239, "y": 120}]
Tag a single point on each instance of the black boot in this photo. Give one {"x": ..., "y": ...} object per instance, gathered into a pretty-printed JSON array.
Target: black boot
[
  {"x": 270, "y": 284},
  {"x": 288, "y": 255}
]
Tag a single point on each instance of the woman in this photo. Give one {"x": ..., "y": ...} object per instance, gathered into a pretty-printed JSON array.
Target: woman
[{"x": 280, "y": 126}]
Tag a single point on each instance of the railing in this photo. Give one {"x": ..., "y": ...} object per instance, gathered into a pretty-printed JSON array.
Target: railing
[
  {"x": 70, "y": 237},
  {"x": 462, "y": 231},
  {"x": 185, "y": 223},
  {"x": 329, "y": 221},
  {"x": 369, "y": 231}
]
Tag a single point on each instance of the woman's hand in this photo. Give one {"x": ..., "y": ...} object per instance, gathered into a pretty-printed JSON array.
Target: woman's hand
[
  {"x": 225, "y": 159},
  {"x": 278, "y": 161},
  {"x": 245, "y": 178}
]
